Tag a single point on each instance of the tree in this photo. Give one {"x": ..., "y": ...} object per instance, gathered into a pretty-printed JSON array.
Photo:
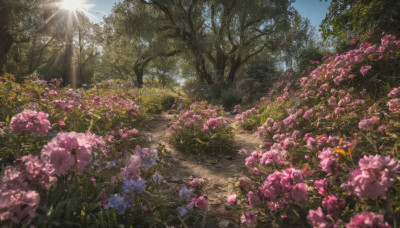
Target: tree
[
  {"x": 219, "y": 36},
  {"x": 349, "y": 19},
  {"x": 16, "y": 18},
  {"x": 299, "y": 37},
  {"x": 131, "y": 44}
]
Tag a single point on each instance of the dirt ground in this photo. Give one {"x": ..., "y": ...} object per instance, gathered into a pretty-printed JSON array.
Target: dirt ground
[{"x": 218, "y": 171}]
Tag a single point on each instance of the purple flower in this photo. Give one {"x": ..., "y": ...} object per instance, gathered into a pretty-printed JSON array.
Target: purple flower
[
  {"x": 185, "y": 193},
  {"x": 118, "y": 203},
  {"x": 157, "y": 178}
]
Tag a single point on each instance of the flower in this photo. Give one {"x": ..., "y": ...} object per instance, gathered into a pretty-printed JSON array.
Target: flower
[
  {"x": 253, "y": 199},
  {"x": 118, "y": 203},
  {"x": 67, "y": 149},
  {"x": 316, "y": 217},
  {"x": 366, "y": 123},
  {"x": 232, "y": 199},
  {"x": 196, "y": 182},
  {"x": 368, "y": 219},
  {"x": 333, "y": 205},
  {"x": 327, "y": 160},
  {"x": 182, "y": 211},
  {"x": 132, "y": 187},
  {"x": 365, "y": 69},
  {"x": 248, "y": 219},
  {"x": 308, "y": 114},
  {"x": 36, "y": 171},
  {"x": 157, "y": 178},
  {"x": 322, "y": 186},
  {"x": 200, "y": 202},
  {"x": 375, "y": 176},
  {"x": 132, "y": 169},
  {"x": 185, "y": 193},
  {"x": 30, "y": 121}
]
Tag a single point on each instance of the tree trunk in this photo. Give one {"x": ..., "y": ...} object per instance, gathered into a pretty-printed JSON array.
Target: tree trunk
[
  {"x": 235, "y": 64},
  {"x": 6, "y": 40},
  {"x": 139, "y": 75}
]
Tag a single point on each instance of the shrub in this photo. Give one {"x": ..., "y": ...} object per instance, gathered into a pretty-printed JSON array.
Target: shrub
[
  {"x": 331, "y": 155},
  {"x": 202, "y": 129}
]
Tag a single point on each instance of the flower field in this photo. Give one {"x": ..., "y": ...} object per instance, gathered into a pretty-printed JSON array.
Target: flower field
[{"x": 329, "y": 155}]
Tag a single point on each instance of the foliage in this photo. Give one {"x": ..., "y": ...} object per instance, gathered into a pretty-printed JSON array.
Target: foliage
[
  {"x": 202, "y": 129},
  {"x": 331, "y": 146},
  {"x": 52, "y": 175},
  {"x": 349, "y": 19},
  {"x": 156, "y": 100},
  {"x": 237, "y": 31}
]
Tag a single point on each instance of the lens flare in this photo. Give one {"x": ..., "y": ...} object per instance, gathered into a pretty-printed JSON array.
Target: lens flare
[{"x": 72, "y": 5}]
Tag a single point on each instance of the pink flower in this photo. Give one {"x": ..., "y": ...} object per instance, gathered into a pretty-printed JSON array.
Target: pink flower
[
  {"x": 332, "y": 101},
  {"x": 339, "y": 110},
  {"x": 205, "y": 129},
  {"x": 366, "y": 123},
  {"x": 375, "y": 176},
  {"x": 200, "y": 202},
  {"x": 67, "y": 149},
  {"x": 365, "y": 69},
  {"x": 132, "y": 169},
  {"x": 232, "y": 199},
  {"x": 253, "y": 199},
  {"x": 248, "y": 219},
  {"x": 299, "y": 192},
  {"x": 61, "y": 160},
  {"x": 36, "y": 171},
  {"x": 317, "y": 217},
  {"x": 327, "y": 160},
  {"x": 61, "y": 123},
  {"x": 333, "y": 205},
  {"x": 368, "y": 219},
  {"x": 394, "y": 105},
  {"x": 308, "y": 114},
  {"x": 19, "y": 205},
  {"x": 196, "y": 182},
  {"x": 394, "y": 93},
  {"x": 322, "y": 186},
  {"x": 30, "y": 122}
]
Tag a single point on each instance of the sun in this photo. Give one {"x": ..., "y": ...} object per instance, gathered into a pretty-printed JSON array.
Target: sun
[{"x": 72, "y": 5}]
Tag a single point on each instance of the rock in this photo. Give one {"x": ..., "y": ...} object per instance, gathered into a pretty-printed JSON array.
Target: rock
[{"x": 226, "y": 223}]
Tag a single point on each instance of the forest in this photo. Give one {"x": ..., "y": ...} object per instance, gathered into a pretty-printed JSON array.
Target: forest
[{"x": 199, "y": 113}]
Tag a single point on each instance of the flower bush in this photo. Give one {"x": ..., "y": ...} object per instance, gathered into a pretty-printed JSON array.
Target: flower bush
[
  {"x": 315, "y": 133},
  {"x": 202, "y": 129},
  {"x": 54, "y": 175}
]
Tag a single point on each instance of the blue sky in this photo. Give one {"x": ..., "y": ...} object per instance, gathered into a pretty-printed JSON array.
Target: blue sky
[{"x": 315, "y": 10}]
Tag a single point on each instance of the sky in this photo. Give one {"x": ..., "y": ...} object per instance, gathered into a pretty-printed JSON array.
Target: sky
[{"x": 315, "y": 10}]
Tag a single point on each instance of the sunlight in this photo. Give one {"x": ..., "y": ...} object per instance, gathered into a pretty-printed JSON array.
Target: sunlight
[{"x": 72, "y": 5}]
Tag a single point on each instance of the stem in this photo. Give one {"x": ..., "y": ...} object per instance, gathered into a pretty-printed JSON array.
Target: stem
[
  {"x": 183, "y": 222},
  {"x": 203, "y": 223},
  {"x": 17, "y": 154}
]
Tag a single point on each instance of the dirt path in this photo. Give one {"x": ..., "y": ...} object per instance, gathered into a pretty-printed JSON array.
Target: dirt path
[{"x": 218, "y": 171}]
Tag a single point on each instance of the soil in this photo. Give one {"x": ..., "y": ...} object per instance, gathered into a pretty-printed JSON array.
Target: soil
[{"x": 218, "y": 171}]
